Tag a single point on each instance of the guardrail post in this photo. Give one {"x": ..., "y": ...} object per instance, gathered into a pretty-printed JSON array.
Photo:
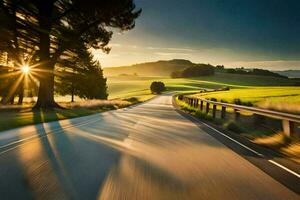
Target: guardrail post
[
  {"x": 214, "y": 110},
  {"x": 207, "y": 108},
  {"x": 197, "y": 103},
  {"x": 237, "y": 114},
  {"x": 201, "y": 105},
  {"x": 288, "y": 127},
  {"x": 223, "y": 112}
]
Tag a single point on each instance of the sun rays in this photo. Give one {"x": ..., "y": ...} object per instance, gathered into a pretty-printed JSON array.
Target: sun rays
[
  {"x": 25, "y": 69},
  {"x": 20, "y": 76}
]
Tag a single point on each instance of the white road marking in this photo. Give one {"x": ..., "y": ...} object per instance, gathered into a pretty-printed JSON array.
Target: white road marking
[
  {"x": 285, "y": 168},
  {"x": 249, "y": 149}
]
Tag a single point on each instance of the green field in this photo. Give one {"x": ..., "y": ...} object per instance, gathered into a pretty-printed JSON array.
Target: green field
[
  {"x": 264, "y": 91},
  {"x": 259, "y": 94},
  {"x": 268, "y": 92},
  {"x": 277, "y": 98}
]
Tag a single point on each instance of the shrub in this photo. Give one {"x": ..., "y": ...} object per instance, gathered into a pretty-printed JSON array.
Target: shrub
[
  {"x": 157, "y": 87},
  {"x": 204, "y": 116},
  {"x": 240, "y": 102},
  {"x": 132, "y": 100},
  {"x": 250, "y": 104},
  {"x": 226, "y": 88},
  {"x": 223, "y": 101},
  {"x": 237, "y": 101},
  {"x": 234, "y": 127},
  {"x": 213, "y": 99}
]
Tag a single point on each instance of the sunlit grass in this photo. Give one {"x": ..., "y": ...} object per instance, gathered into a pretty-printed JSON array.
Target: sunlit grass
[
  {"x": 277, "y": 98},
  {"x": 119, "y": 87},
  {"x": 20, "y": 116}
]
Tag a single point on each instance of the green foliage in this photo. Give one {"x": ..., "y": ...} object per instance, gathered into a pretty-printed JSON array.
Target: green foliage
[
  {"x": 260, "y": 72},
  {"x": 56, "y": 28},
  {"x": 234, "y": 127},
  {"x": 157, "y": 87},
  {"x": 237, "y": 101},
  {"x": 122, "y": 87},
  {"x": 132, "y": 100},
  {"x": 85, "y": 79},
  {"x": 195, "y": 71}
]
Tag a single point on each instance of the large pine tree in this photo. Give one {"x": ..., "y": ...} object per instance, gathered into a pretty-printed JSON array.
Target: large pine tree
[
  {"x": 50, "y": 29},
  {"x": 80, "y": 75}
]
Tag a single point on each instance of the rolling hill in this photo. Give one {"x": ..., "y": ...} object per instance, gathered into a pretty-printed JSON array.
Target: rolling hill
[
  {"x": 159, "y": 68},
  {"x": 290, "y": 73}
]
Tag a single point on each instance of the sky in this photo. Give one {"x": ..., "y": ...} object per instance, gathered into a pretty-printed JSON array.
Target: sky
[{"x": 235, "y": 33}]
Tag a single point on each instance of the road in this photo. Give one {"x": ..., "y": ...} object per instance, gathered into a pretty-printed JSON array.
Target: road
[{"x": 149, "y": 151}]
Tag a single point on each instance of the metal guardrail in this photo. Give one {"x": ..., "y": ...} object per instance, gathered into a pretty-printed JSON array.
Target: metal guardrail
[{"x": 288, "y": 120}]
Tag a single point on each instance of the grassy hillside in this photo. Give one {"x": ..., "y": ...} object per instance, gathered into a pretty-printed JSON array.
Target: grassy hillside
[
  {"x": 120, "y": 87},
  {"x": 159, "y": 68}
]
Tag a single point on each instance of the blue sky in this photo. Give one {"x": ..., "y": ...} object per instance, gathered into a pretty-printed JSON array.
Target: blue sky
[{"x": 250, "y": 33}]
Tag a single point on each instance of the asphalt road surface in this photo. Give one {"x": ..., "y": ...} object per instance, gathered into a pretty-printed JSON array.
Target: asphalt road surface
[{"x": 149, "y": 151}]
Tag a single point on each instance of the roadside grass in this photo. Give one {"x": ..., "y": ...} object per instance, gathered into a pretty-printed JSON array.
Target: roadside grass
[
  {"x": 21, "y": 116},
  {"x": 261, "y": 131}
]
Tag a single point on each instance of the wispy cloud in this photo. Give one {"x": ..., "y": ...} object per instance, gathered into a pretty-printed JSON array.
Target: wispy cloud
[
  {"x": 115, "y": 45},
  {"x": 171, "y": 49},
  {"x": 170, "y": 54}
]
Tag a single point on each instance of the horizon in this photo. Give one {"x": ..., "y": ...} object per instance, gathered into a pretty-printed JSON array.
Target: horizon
[
  {"x": 237, "y": 66},
  {"x": 261, "y": 34}
]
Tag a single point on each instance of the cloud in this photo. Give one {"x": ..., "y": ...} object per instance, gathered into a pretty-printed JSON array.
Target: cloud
[
  {"x": 171, "y": 49},
  {"x": 170, "y": 54},
  {"x": 115, "y": 45}
]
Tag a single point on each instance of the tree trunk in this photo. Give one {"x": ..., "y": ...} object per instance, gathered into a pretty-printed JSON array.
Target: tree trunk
[
  {"x": 21, "y": 93},
  {"x": 46, "y": 87},
  {"x": 4, "y": 99},
  {"x": 12, "y": 99},
  {"x": 46, "y": 91},
  {"x": 72, "y": 98}
]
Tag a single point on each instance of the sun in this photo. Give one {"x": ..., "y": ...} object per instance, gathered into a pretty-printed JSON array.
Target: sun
[{"x": 25, "y": 69}]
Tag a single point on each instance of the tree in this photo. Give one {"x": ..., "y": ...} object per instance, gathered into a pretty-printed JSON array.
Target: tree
[
  {"x": 93, "y": 83},
  {"x": 157, "y": 87},
  {"x": 67, "y": 83},
  {"x": 83, "y": 77},
  {"x": 195, "y": 71},
  {"x": 50, "y": 29}
]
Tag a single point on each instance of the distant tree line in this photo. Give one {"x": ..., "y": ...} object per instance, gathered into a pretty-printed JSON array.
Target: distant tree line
[
  {"x": 195, "y": 71},
  {"x": 208, "y": 70},
  {"x": 260, "y": 72}
]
